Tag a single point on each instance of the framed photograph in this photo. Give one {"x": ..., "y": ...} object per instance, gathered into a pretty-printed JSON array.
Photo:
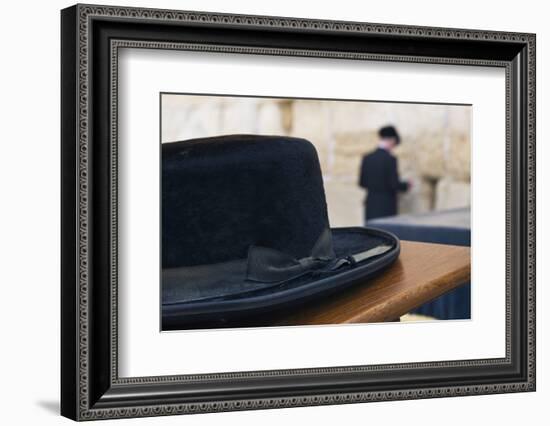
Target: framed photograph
[{"x": 263, "y": 212}]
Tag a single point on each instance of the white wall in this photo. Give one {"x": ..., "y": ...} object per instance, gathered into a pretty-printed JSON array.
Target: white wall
[{"x": 29, "y": 226}]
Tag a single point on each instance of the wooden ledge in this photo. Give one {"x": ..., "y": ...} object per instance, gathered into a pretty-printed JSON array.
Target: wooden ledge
[{"x": 422, "y": 273}]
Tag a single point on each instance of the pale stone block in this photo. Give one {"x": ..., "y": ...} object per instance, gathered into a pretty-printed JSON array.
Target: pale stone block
[
  {"x": 450, "y": 194},
  {"x": 172, "y": 119},
  {"x": 355, "y": 143},
  {"x": 270, "y": 119},
  {"x": 285, "y": 107},
  {"x": 310, "y": 120},
  {"x": 457, "y": 161},
  {"x": 418, "y": 199},
  {"x": 239, "y": 117},
  {"x": 430, "y": 154},
  {"x": 349, "y": 149},
  {"x": 406, "y": 155},
  {"x": 344, "y": 203},
  {"x": 191, "y": 121},
  {"x": 459, "y": 119},
  {"x": 352, "y": 117},
  {"x": 412, "y": 120}
]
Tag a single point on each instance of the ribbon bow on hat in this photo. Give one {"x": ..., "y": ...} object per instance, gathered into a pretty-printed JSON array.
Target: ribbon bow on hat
[{"x": 270, "y": 265}]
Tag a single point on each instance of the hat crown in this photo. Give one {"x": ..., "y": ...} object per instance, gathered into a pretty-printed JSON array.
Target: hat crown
[{"x": 223, "y": 194}]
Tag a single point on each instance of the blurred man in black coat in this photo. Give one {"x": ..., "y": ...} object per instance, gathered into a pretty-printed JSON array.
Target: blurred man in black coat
[{"x": 380, "y": 177}]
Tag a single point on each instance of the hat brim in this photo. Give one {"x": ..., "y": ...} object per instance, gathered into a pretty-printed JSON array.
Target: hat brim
[{"x": 216, "y": 296}]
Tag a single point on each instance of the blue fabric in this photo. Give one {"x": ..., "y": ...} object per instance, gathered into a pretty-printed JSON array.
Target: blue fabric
[
  {"x": 426, "y": 233},
  {"x": 445, "y": 227}
]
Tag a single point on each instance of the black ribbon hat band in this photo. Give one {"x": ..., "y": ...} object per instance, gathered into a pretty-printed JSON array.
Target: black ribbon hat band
[{"x": 270, "y": 265}]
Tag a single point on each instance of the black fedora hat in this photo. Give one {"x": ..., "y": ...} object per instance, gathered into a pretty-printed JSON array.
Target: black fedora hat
[
  {"x": 389, "y": 132},
  {"x": 245, "y": 231}
]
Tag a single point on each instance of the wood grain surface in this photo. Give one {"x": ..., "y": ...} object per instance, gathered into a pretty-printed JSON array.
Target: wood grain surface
[{"x": 422, "y": 273}]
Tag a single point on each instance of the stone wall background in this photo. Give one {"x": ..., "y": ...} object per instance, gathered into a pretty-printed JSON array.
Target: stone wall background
[{"x": 434, "y": 151}]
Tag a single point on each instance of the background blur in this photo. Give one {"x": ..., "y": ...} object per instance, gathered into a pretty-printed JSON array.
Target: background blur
[{"x": 434, "y": 150}]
